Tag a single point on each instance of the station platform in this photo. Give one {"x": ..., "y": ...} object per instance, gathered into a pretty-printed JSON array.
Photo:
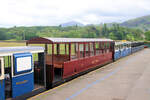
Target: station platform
[{"x": 126, "y": 79}]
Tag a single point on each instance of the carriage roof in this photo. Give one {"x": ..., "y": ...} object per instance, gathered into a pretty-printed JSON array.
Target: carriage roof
[
  {"x": 122, "y": 43},
  {"x": 4, "y": 51},
  {"x": 48, "y": 40}
]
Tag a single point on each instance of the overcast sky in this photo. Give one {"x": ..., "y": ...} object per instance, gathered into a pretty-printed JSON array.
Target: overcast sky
[{"x": 55, "y": 12}]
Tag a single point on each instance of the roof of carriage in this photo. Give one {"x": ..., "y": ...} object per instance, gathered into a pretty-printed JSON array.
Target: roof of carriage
[
  {"x": 49, "y": 40},
  {"x": 21, "y": 49},
  {"x": 122, "y": 43}
]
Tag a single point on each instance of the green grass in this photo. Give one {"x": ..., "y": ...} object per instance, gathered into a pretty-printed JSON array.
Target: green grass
[{"x": 12, "y": 44}]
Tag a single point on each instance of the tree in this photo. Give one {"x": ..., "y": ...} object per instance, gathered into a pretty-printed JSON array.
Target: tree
[
  {"x": 3, "y": 36},
  {"x": 147, "y": 35}
]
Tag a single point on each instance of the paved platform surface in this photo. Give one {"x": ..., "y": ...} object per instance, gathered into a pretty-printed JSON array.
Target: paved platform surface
[{"x": 125, "y": 79}]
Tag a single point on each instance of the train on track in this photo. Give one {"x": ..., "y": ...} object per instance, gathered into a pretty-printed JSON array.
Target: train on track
[{"x": 32, "y": 69}]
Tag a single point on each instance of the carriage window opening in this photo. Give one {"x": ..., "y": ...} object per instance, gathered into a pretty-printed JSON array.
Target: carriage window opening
[
  {"x": 62, "y": 49},
  {"x": 50, "y": 49},
  {"x": 86, "y": 50},
  {"x": 100, "y": 48},
  {"x": 121, "y": 46},
  {"x": 125, "y": 46},
  {"x": 67, "y": 49},
  {"x": 116, "y": 47},
  {"x": 8, "y": 75},
  {"x": 38, "y": 60},
  {"x": 91, "y": 49},
  {"x": 81, "y": 49},
  {"x": 97, "y": 48},
  {"x": 73, "y": 51},
  {"x": 35, "y": 57},
  {"x": 128, "y": 46},
  {"x": 108, "y": 47},
  {"x": 7, "y": 61},
  {"x": 105, "y": 47}
]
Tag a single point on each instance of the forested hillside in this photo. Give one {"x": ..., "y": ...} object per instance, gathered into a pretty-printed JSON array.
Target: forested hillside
[
  {"x": 142, "y": 23},
  {"x": 115, "y": 32}
]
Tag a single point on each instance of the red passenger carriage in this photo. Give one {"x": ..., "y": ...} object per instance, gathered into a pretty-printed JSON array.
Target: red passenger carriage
[{"x": 69, "y": 57}]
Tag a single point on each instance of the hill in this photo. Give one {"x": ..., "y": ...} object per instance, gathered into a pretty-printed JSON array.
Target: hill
[
  {"x": 141, "y": 23},
  {"x": 72, "y": 23}
]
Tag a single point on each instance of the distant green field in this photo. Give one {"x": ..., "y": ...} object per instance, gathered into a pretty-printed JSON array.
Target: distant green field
[{"x": 11, "y": 44}]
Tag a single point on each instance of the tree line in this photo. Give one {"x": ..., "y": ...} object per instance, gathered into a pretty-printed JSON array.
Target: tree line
[{"x": 114, "y": 32}]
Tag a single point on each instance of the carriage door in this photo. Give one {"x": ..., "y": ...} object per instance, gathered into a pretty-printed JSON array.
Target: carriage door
[
  {"x": 2, "y": 93},
  {"x": 22, "y": 80}
]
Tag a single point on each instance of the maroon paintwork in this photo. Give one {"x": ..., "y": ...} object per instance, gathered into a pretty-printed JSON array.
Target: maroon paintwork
[{"x": 79, "y": 65}]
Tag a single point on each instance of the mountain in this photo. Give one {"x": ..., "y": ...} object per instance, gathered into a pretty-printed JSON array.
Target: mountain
[
  {"x": 141, "y": 23},
  {"x": 72, "y": 23}
]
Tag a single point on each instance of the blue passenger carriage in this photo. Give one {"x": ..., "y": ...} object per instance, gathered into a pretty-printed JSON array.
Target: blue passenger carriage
[
  {"x": 122, "y": 49},
  {"x": 136, "y": 46},
  {"x": 17, "y": 78}
]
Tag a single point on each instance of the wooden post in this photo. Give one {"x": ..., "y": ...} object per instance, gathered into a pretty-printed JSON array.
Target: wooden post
[
  {"x": 78, "y": 50},
  {"x": 75, "y": 48},
  {"x": 84, "y": 49},
  {"x": 102, "y": 45},
  {"x": 65, "y": 49},
  {"x": 69, "y": 51},
  {"x": 106, "y": 47},
  {"x": 99, "y": 47},
  {"x": 58, "y": 49},
  {"x": 94, "y": 48},
  {"x": 46, "y": 49},
  {"x": 89, "y": 49},
  {"x": 26, "y": 44},
  {"x": 109, "y": 46},
  {"x": 52, "y": 54}
]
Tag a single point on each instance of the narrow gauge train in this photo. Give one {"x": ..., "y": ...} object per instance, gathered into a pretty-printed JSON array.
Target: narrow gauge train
[{"x": 26, "y": 71}]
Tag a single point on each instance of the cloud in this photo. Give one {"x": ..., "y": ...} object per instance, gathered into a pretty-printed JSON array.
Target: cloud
[{"x": 55, "y": 12}]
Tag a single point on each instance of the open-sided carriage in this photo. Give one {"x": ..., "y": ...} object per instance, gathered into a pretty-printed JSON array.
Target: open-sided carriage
[{"x": 69, "y": 57}]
